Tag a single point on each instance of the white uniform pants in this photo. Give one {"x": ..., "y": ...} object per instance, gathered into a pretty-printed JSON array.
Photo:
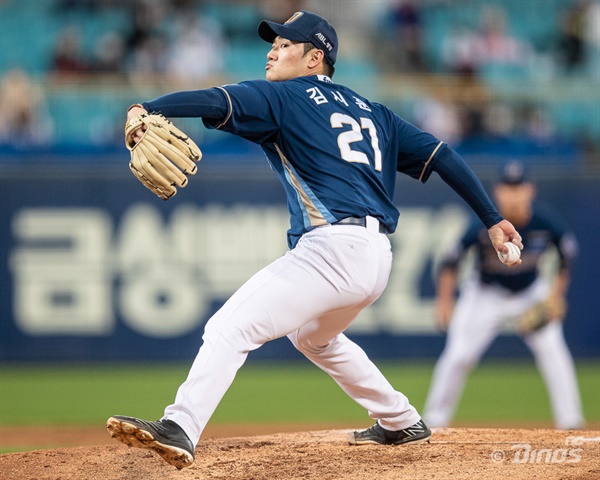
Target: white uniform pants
[
  {"x": 311, "y": 294},
  {"x": 480, "y": 312}
]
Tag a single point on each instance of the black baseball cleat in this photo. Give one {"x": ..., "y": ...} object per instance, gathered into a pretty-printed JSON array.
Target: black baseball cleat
[
  {"x": 164, "y": 437},
  {"x": 418, "y": 433}
]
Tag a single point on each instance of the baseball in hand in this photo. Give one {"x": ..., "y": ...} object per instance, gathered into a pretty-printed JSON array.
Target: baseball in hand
[{"x": 513, "y": 255}]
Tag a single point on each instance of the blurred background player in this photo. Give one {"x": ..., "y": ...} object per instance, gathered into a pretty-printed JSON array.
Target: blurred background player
[{"x": 493, "y": 295}]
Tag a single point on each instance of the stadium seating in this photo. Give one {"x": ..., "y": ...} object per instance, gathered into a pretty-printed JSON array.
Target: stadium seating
[{"x": 30, "y": 30}]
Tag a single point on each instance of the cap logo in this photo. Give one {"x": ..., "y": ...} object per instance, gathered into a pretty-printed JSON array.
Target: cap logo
[
  {"x": 294, "y": 17},
  {"x": 323, "y": 39}
]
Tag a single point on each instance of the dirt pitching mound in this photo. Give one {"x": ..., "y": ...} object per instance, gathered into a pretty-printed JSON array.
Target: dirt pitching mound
[{"x": 453, "y": 453}]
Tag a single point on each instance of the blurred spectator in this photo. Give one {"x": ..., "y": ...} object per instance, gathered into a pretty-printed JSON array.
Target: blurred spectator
[
  {"x": 24, "y": 120},
  {"x": 462, "y": 51},
  {"x": 149, "y": 57},
  {"x": 592, "y": 35},
  {"x": 68, "y": 5},
  {"x": 538, "y": 124},
  {"x": 467, "y": 51},
  {"x": 499, "y": 120},
  {"x": 68, "y": 57},
  {"x": 89, "y": 5},
  {"x": 146, "y": 38},
  {"x": 578, "y": 43},
  {"x": 147, "y": 43},
  {"x": 571, "y": 42},
  {"x": 405, "y": 16},
  {"x": 184, "y": 5},
  {"x": 109, "y": 53},
  {"x": 441, "y": 118},
  {"x": 592, "y": 23},
  {"x": 499, "y": 46},
  {"x": 197, "y": 50}
]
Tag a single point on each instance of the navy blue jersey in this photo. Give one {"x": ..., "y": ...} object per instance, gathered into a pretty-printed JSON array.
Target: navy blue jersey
[
  {"x": 335, "y": 152},
  {"x": 543, "y": 231}
]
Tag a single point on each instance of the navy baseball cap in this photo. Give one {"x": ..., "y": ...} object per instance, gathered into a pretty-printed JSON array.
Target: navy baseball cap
[
  {"x": 513, "y": 173},
  {"x": 303, "y": 26}
]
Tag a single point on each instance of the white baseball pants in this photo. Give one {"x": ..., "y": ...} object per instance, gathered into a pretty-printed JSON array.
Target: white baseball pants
[
  {"x": 480, "y": 312},
  {"x": 311, "y": 295}
]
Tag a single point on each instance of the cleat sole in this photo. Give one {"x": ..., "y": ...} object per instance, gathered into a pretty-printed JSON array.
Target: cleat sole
[{"x": 133, "y": 436}]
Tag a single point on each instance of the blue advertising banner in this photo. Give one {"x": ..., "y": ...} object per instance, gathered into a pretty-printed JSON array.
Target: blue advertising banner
[{"x": 94, "y": 267}]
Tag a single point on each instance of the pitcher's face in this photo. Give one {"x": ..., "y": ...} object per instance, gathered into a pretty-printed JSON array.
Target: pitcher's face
[{"x": 286, "y": 60}]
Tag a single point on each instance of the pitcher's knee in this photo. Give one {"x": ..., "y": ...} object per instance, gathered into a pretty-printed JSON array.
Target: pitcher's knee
[{"x": 306, "y": 345}]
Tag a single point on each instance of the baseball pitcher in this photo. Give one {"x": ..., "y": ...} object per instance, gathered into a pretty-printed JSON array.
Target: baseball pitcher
[{"x": 336, "y": 155}]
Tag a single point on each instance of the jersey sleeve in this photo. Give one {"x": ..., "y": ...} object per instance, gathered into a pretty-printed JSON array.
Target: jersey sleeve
[
  {"x": 208, "y": 103},
  {"x": 416, "y": 150},
  {"x": 254, "y": 110},
  {"x": 452, "y": 168}
]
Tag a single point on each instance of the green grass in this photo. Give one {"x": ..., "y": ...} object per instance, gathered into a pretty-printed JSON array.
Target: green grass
[{"x": 268, "y": 393}]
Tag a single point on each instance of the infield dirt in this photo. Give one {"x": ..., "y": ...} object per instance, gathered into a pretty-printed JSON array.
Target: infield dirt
[{"x": 453, "y": 453}]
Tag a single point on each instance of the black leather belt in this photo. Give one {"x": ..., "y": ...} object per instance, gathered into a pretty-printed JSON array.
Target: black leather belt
[{"x": 359, "y": 221}]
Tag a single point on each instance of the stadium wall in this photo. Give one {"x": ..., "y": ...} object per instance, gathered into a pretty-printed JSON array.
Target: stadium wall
[{"x": 94, "y": 268}]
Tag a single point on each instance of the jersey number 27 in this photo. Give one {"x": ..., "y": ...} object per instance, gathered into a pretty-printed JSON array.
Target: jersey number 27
[{"x": 338, "y": 120}]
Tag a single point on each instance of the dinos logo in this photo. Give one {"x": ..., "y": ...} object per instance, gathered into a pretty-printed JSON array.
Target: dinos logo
[{"x": 294, "y": 17}]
